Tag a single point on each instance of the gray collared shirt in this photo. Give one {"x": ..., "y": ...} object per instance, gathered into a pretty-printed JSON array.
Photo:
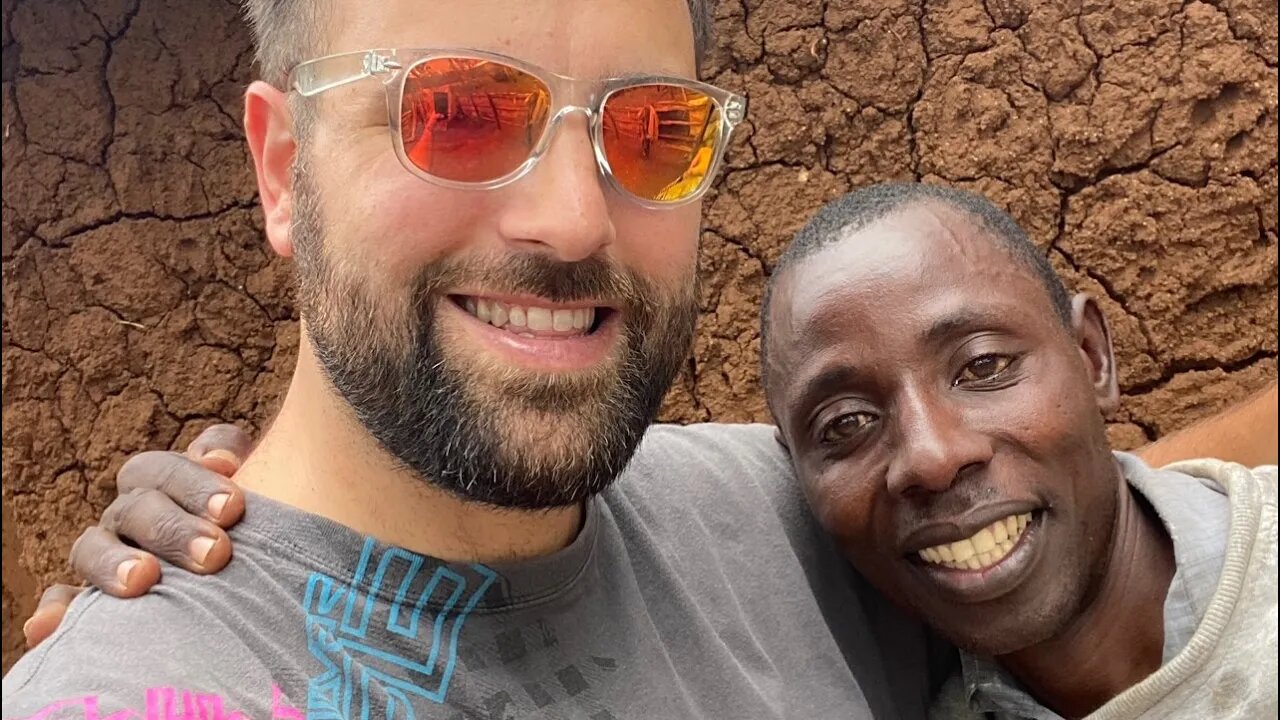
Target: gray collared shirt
[{"x": 1197, "y": 517}]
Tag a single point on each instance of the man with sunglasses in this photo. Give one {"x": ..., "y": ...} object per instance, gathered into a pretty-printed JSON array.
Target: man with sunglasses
[
  {"x": 494, "y": 211},
  {"x": 495, "y": 299}
]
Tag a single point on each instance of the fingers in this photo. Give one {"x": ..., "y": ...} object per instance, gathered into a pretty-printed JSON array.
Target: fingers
[
  {"x": 157, "y": 524},
  {"x": 169, "y": 504},
  {"x": 221, "y": 448},
  {"x": 190, "y": 485},
  {"x": 49, "y": 612},
  {"x": 102, "y": 560}
]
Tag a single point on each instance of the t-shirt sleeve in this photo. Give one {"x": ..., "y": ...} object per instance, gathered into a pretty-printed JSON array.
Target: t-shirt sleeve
[{"x": 91, "y": 668}]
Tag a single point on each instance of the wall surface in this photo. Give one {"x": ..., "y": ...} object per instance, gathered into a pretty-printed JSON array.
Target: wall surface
[{"x": 1135, "y": 139}]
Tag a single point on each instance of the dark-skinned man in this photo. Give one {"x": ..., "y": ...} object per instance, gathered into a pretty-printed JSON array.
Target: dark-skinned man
[{"x": 943, "y": 399}]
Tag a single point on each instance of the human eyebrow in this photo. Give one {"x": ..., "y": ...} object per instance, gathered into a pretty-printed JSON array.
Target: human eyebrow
[
  {"x": 961, "y": 322},
  {"x": 818, "y": 386}
]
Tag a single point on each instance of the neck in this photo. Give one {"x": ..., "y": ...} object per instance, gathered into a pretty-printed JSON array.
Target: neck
[
  {"x": 1119, "y": 639},
  {"x": 318, "y": 458}
]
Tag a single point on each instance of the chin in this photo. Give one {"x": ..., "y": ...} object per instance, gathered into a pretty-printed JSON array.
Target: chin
[
  {"x": 992, "y": 641},
  {"x": 991, "y": 632}
]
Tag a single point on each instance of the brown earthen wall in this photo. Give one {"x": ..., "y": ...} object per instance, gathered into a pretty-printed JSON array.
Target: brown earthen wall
[{"x": 1135, "y": 139}]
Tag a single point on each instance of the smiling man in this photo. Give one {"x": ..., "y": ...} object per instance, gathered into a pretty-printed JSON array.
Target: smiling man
[
  {"x": 494, "y": 210},
  {"x": 943, "y": 399}
]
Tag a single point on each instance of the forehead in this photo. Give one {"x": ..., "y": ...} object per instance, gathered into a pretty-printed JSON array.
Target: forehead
[
  {"x": 897, "y": 276},
  {"x": 579, "y": 38}
]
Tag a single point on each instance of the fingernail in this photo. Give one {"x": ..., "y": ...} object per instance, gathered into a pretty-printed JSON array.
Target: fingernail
[
  {"x": 200, "y": 548},
  {"x": 123, "y": 570},
  {"x": 224, "y": 455},
  {"x": 26, "y": 626},
  {"x": 217, "y": 503}
]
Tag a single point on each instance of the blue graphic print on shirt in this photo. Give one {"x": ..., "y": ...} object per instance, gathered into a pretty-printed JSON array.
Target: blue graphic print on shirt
[{"x": 356, "y": 676}]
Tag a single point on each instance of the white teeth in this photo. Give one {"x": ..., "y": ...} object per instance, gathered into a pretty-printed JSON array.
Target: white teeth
[
  {"x": 984, "y": 549},
  {"x": 984, "y": 542},
  {"x": 539, "y": 318},
  {"x": 536, "y": 319},
  {"x": 499, "y": 316}
]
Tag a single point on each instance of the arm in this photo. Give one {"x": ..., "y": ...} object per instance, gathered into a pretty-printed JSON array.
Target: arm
[{"x": 1244, "y": 433}]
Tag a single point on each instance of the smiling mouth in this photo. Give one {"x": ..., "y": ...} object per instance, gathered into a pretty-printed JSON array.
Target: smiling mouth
[
  {"x": 533, "y": 320},
  {"x": 982, "y": 550}
]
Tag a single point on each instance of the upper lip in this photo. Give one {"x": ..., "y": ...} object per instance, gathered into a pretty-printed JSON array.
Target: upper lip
[{"x": 959, "y": 527}]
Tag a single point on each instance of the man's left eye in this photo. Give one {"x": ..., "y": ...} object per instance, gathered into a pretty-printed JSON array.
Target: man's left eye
[{"x": 983, "y": 368}]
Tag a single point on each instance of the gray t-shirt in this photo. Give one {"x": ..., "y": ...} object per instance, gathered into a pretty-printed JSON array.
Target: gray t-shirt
[{"x": 700, "y": 587}]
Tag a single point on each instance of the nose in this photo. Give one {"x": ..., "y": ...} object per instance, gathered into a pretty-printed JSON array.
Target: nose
[
  {"x": 560, "y": 207},
  {"x": 936, "y": 446}
]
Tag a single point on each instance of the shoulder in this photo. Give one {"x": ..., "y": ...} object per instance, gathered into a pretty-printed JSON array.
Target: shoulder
[
  {"x": 726, "y": 468},
  {"x": 112, "y": 656},
  {"x": 721, "y": 486},
  {"x": 712, "y": 452},
  {"x": 1237, "y": 631},
  {"x": 93, "y": 658},
  {"x": 1250, "y": 527},
  {"x": 1243, "y": 484},
  {"x": 1201, "y": 476}
]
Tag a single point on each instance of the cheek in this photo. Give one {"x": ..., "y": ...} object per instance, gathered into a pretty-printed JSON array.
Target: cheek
[
  {"x": 661, "y": 244},
  {"x": 844, "y": 502},
  {"x": 393, "y": 224},
  {"x": 1047, "y": 414}
]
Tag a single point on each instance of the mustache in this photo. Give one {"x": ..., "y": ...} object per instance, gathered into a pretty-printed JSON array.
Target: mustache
[{"x": 965, "y": 495}]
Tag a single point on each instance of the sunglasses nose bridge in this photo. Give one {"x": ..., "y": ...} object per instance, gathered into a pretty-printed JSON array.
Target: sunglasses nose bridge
[
  {"x": 553, "y": 126},
  {"x": 566, "y": 110}
]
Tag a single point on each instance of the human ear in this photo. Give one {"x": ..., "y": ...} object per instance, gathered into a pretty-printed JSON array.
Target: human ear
[
  {"x": 268, "y": 126},
  {"x": 1093, "y": 336}
]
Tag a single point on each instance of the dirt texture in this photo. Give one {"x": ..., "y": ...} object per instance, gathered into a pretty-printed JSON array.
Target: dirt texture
[{"x": 1135, "y": 139}]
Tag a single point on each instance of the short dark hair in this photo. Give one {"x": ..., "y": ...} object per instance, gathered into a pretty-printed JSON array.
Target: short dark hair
[
  {"x": 287, "y": 32},
  {"x": 860, "y": 208}
]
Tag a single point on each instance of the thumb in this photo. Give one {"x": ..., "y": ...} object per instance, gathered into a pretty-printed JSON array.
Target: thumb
[{"x": 49, "y": 613}]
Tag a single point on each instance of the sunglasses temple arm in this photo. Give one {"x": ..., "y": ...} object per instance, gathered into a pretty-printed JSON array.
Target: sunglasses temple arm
[{"x": 326, "y": 73}]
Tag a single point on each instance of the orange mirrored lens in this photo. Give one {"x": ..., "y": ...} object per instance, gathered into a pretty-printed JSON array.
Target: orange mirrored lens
[
  {"x": 471, "y": 120},
  {"x": 660, "y": 139}
]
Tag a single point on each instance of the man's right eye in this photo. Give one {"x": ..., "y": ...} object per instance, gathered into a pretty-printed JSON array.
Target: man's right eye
[{"x": 845, "y": 426}]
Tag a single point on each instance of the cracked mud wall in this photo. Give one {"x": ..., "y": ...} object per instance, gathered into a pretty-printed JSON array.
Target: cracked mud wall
[{"x": 1135, "y": 139}]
